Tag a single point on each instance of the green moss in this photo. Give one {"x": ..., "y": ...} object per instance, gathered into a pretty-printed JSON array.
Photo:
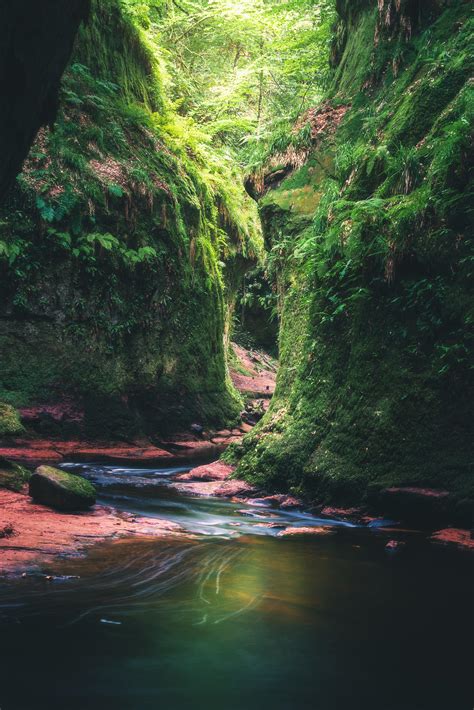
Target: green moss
[
  {"x": 74, "y": 484},
  {"x": 300, "y": 193},
  {"x": 9, "y": 420},
  {"x": 355, "y": 65},
  {"x": 13, "y": 476}
]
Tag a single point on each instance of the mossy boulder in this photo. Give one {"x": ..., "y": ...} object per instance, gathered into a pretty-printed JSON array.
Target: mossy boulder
[
  {"x": 13, "y": 476},
  {"x": 9, "y": 420},
  {"x": 61, "y": 490}
]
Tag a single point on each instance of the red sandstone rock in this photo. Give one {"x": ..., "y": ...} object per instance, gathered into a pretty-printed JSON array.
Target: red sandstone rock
[
  {"x": 344, "y": 513},
  {"x": 122, "y": 453},
  {"x": 463, "y": 539},
  {"x": 30, "y": 456},
  {"x": 43, "y": 451},
  {"x": 217, "y": 471},
  {"x": 41, "y": 533},
  {"x": 34, "y": 451},
  {"x": 261, "y": 380},
  {"x": 257, "y": 386},
  {"x": 214, "y": 488},
  {"x": 233, "y": 488},
  {"x": 60, "y": 411},
  {"x": 291, "y": 502},
  {"x": 317, "y": 530},
  {"x": 280, "y": 500},
  {"x": 245, "y": 427},
  {"x": 223, "y": 433},
  {"x": 419, "y": 492},
  {"x": 193, "y": 449},
  {"x": 224, "y": 442},
  {"x": 37, "y": 444}
]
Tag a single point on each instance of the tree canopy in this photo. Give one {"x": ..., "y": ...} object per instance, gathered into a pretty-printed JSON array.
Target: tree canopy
[{"x": 240, "y": 68}]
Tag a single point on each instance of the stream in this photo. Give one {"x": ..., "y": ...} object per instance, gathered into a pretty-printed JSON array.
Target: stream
[{"x": 236, "y": 617}]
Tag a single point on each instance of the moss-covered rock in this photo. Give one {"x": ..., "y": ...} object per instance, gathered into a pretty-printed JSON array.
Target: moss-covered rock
[
  {"x": 12, "y": 475},
  {"x": 61, "y": 490},
  {"x": 375, "y": 384},
  {"x": 10, "y": 422}
]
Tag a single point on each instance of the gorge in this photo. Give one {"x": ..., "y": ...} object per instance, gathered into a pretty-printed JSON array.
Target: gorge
[{"x": 236, "y": 431}]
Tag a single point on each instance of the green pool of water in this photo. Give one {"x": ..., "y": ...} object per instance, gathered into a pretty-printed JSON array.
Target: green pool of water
[{"x": 247, "y": 622}]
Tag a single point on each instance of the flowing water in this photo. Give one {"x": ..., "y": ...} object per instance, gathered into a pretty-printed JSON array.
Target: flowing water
[{"x": 237, "y": 618}]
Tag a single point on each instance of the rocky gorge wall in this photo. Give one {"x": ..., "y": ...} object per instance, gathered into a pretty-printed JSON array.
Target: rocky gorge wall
[
  {"x": 370, "y": 231},
  {"x": 118, "y": 252}
]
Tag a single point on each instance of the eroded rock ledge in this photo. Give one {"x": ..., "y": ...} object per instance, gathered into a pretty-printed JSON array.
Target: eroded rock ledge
[{"x": 34, "y": 534}]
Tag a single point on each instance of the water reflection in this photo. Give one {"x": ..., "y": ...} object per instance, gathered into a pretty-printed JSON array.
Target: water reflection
[{"x": 237, "y": 619}]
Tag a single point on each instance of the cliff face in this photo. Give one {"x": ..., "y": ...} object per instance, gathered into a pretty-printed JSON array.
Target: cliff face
[
  {"x": 371, "y": 237},
  {"x": 36, "y": 40},
  {"x": 112, "y": 251}
]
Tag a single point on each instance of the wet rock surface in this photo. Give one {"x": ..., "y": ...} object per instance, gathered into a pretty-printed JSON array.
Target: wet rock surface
[
  {"x": 313, "y": 530},
  {"x": 38, "y": 451},
  {"x": 224, "y": 489},
  {"x": 261, "y": 378},
  {"x": 61, "y": 490},
  {"x": 41, "y": 534},
  {"x": 353, "y": 514},
  {"x": 454, "y": 537},
  {"x": 216, "y": 471}
]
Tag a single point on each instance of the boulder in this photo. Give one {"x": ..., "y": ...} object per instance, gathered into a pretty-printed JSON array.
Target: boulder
[
  {"x": 351, "y": 514},
  {"x": 216, "y": 471},
  {"x": 454, "y": 537},
  {"x": 224, "y": 489},
  {"x": 61, "y": 490}
]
